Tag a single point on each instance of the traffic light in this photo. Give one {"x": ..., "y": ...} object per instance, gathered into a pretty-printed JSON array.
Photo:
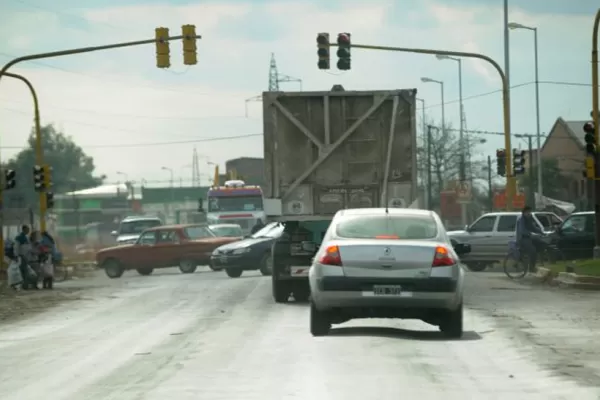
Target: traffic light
[
  {"x": 590, "y": 167},
  {"x": 323, "y": 52},
  {"x": 49, "y": 200},
  {"x": 190, "y": 57},
  {"x": 47, "y": 177},
  {"x": 590, "y": 138},
  {"x": 38, "y": 178},
  {"x": 343, "y": 52},
  {"x": 10, "y": 179},
  {"x": 501, "y": 162},
  {"x": 518, "y": 162},
  {"x": 163, "y": 52}
]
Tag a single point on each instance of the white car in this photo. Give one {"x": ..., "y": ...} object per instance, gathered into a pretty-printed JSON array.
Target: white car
[{"x": 387, "y": 263}]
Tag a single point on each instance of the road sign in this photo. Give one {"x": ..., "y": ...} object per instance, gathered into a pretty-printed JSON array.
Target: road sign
[{"x": 463, "y": 192}]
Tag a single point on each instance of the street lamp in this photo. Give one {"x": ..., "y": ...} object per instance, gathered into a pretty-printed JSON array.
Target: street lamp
[
  {"x": 461, "y": 140},
  {"x": 425, "y": 141},
  {"x": 171, "y": 171},
  {"x": 514, "y": 25},
  {"x": 124, "y": 175},
  {"x": 429, "y": 80}
]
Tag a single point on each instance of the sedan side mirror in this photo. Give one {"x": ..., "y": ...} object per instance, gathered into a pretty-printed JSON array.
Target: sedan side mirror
[
  {"x": 114, "y": 233},
  {"x": 462, "y": 248}
]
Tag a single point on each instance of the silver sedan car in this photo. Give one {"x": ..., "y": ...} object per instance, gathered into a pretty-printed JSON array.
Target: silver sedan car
[{"x": 387, "y": 263}]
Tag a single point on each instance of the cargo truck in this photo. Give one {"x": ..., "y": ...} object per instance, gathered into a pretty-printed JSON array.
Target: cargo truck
[{"x": 326, "y": 151}]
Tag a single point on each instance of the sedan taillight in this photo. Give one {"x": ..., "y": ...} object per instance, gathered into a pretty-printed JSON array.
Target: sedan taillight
[
  {"x": 442, "y": 257},
  {"x": 331, "y": 256}
]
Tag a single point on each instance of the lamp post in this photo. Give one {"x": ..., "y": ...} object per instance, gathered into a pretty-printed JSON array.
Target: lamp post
[
  {"x": 426, "y": 203},
  {"x": 514, "y": 25},
  {"x": 441, "y": 83}
]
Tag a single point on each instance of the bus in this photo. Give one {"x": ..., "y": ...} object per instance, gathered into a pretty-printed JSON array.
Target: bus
[{"x": 235, "y": 203}]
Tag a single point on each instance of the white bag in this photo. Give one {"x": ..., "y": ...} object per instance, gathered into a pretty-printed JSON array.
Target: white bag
[
  {"x": 47, "y": 269},
  {"x": 14, "y": 274}
]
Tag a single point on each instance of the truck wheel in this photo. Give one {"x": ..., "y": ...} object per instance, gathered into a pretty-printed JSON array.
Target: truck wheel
[
  {"x": 113, "y": 269},
  {"x": 266, "y": 265},
  {"x": 301, "y": 292},
  {"x": 144, "y": 271},
  {"x": 320, "y": 324},
  {"x": 234, "y": 272},
  {"x": 281, "y": 290},
  {"x": 187, "y": 266}
]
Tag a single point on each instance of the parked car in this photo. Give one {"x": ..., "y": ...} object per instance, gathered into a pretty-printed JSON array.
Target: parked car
[
  {"x": 227, "y": 230},
  {"x": 575, "y": 238},
  {"x": 250, "y": 254},
  {"x": 387, "y": 263},
  {"x": 130, "y": 228},
  {"x": 160, "y": 247},
  {"x": 490, "y": 234}
]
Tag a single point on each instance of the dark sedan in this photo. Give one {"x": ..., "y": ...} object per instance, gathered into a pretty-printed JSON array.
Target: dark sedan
[{"x": 250, "y": 254}]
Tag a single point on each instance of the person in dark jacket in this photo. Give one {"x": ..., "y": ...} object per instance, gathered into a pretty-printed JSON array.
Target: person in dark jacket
[
  {"x": 22, "y": 249},
  {"x": 258, "y": 226},
  {"x": 526, "y": 228}
]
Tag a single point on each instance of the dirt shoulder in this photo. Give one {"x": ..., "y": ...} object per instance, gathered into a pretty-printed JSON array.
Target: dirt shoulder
[{"x": 25, "y": 303}]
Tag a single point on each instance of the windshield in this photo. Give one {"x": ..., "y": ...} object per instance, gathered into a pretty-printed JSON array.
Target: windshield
[
  {"x": 136, "y": 227},
  {"x": 198, "y": 232},
  {"x": 237, "y": 203},
  {"x": 387, "y": 227},
  {"x": 227, "y": 231},
  {"x": 273, "y": 230}
]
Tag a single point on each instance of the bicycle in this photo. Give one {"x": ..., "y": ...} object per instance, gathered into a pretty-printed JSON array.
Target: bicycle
[{"x": 516, "y": 265}]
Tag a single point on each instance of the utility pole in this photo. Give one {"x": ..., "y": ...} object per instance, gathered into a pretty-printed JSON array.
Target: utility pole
[
  {"x": 489, "y": 178},
  {"x": 428, "y": 163}
]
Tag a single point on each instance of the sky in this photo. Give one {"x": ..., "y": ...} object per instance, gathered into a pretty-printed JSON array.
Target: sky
[{"x": 136, "y": 119}]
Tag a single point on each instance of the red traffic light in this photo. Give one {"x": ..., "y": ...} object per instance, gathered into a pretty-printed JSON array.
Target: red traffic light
[{"x": 343, "y": 39}]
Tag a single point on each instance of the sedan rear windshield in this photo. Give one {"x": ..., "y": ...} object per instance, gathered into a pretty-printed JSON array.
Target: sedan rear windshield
[{"x": 387, "y": 227}]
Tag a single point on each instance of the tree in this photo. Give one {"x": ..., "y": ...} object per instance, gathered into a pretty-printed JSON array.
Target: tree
[
  {"x": 554, "y": 181},
  {"x": 445, "y": 159},
  {"x": 70, "y": 167}
]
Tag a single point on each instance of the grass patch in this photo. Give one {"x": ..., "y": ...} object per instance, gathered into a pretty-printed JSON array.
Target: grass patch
[{"x": 581, "y": 267}]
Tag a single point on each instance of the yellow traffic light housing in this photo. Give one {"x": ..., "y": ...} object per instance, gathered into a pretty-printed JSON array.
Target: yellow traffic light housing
[
  {"x": 590, "y": 167},
  {"x": 163, "y": 51},
  {"x": 47, "y": 176},
  {"x": 190, "y": 56}
]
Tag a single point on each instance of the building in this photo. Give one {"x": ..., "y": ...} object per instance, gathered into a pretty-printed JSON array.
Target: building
[
  {"x": 249, "y": 169},
  {"x": 566, "y": 143}
]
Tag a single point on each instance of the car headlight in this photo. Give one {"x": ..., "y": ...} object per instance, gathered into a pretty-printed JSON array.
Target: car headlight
[{"x": 241, "y": 250}]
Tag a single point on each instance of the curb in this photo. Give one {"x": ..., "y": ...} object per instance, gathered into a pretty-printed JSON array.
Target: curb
[{"x": 568, "y": 279}]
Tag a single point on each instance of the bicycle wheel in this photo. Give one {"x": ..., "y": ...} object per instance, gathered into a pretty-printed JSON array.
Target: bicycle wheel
[{"x": 515, "y": 268}]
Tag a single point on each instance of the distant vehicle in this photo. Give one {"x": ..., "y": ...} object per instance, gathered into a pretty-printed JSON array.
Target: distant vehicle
[
  {"x": 387, "y": 263},
  {"x": 235, "y": 203},
  {"x": 160, "y": 247},
  {"x": 250, "y": 254},
  {"x": 130, "y": 228},
  {"x": 490, "y": 235},
  {"x": 227, "y": 230}
]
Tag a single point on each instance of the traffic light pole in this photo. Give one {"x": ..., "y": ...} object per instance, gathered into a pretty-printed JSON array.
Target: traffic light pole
[
  {"x": 510, "y": 178},
  {"x": 595, "y": 116},
  {"x": 38, "y": 154},
  {"x": 38, "y": 142}
]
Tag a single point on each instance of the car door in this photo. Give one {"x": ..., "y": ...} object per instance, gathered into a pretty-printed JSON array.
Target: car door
[
  {"x": 574, "y": 236},
  {"x": 480, "y": 236},
  {"x": 504, "y": 233},
  {"x": 141, "y": 254},
  {"x": 166, "y": 250},
  {"x": 545, "y": 221}
]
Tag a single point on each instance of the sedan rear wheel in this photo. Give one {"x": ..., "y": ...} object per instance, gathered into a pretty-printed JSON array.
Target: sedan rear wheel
[
  {"x": 266, "y": 265},
  {"x": 452, "y": 323},
  {"x": 320, "y": 324}
]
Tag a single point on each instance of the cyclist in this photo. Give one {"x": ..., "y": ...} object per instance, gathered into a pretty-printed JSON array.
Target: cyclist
[{"x": 526, "y": 228}]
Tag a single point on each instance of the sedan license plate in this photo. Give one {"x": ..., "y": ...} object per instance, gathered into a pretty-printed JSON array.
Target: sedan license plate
[{"x": 387, "y": 290}]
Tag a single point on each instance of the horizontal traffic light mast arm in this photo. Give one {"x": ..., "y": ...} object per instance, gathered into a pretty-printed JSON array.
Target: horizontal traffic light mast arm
[{"x": 81, "y": 50}]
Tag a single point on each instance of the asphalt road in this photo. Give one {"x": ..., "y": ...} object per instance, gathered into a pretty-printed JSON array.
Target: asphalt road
[{"x": 206, "y": 336}]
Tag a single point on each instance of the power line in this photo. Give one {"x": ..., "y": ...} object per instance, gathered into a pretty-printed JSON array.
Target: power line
[{"x": 151, "y": 144}]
